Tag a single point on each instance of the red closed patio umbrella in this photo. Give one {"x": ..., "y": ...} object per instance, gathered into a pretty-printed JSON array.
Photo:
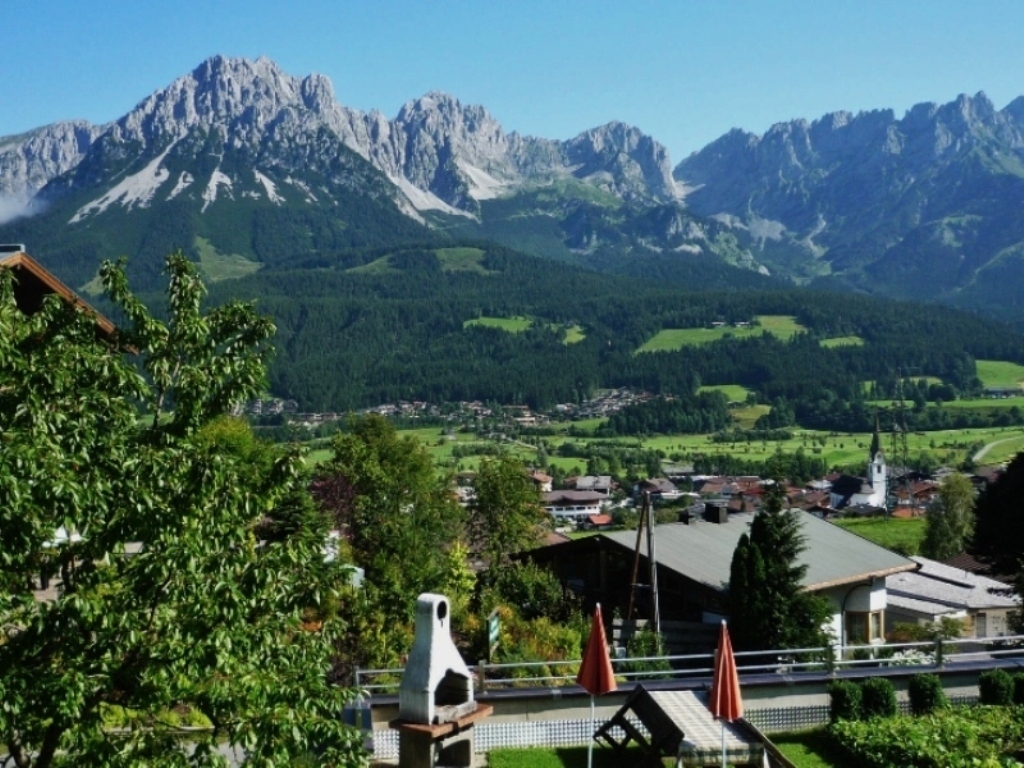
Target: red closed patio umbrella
[
  {"x": 596, "y": 675},
  {"x": 726, "y": 704}
]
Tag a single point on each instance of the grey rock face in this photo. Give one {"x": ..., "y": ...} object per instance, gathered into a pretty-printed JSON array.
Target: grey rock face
[
  {"x": 437, "y": 151},
  {"x": 28, "y": 161}
]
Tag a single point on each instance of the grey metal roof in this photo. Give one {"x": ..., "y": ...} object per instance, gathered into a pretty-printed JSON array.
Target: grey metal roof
[
  {"x": 924, "y": 608},
  {"x": 948, "y": 587},
  {"x": 702, "y": 551}
]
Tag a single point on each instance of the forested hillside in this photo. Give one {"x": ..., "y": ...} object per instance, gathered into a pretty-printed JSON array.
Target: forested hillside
[{"x": 386, "y": 325}]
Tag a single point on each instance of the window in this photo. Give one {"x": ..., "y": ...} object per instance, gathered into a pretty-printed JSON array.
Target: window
[{"x": 863, "y": 626}]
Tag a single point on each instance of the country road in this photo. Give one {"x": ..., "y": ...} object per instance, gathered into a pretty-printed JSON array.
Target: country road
[{"x": 980, "y": 453}]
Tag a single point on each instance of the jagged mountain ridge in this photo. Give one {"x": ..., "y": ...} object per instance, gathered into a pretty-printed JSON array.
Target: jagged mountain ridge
[
  {"x": 255, "y": 166},
  {"x": 237, "y": 147},
  {"x": 922, "y": 206},
  {"x": 441, "y": 154}
]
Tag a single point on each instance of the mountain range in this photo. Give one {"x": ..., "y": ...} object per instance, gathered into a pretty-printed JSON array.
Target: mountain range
[{"x": 249, "y": 168}]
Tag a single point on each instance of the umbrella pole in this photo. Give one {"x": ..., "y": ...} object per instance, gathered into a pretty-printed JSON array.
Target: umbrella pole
[
  {"x": 723, "y": 743},
  {"x": 590, "y": 744}
]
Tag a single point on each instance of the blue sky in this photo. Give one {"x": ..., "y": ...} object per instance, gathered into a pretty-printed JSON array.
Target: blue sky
[{"x": 681, "y": 70}]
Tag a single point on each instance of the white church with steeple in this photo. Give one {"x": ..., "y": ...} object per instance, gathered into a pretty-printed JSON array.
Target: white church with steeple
[{"x": 871, "y": 491}]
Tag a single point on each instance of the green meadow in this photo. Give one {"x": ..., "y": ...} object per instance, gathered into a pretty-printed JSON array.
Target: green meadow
[
  {"x": 843, "y": 341},
  {"x": 217, "y": 266},
  {"x": 674, "y": 339},
  {"x": 733, "y": 392},
  {"x": 1000, "y": 374},
  {"x": 462, "y": 260},
  {"x": 516, "y": 324}
]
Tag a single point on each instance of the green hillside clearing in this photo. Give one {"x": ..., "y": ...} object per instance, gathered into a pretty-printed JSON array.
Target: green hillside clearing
[
  {"x": 674, "y": 339},
  {"x": 462, "y": 260},
  {"x": 1000, "y": 374},
  {"x": 217, "y": 266},
  {"x": 843, "y": 341},
  {"x": 516, "y": 324}
]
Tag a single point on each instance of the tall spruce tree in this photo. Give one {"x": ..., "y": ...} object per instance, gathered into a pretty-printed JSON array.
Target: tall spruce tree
[{"x": 768, "y": 607}]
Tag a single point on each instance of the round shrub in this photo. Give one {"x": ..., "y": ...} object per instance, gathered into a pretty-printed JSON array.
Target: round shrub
[
  {"x": 878, "y": 698},
  {"x": 844, "y": 701},
  {"x": 926, "y": 694},
  {"x": 995, "y": 686}
]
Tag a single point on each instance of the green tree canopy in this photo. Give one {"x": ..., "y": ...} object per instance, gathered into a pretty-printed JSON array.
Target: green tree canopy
[
  {"x": 165, "y": 597},
  {"x": 768, "y": 607},
  {"x": 396, "y": 512},
  {"x": 949, "y": 519},
  {"x": 999, "y": 520},
  {"x": 506, "y": 515}
]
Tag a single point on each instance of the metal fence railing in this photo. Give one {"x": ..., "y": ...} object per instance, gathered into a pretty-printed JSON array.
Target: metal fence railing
[{"x": 557, "y": 673}]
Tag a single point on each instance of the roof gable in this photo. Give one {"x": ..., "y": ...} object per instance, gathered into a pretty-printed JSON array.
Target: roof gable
[{"x": 34, "y": 283}]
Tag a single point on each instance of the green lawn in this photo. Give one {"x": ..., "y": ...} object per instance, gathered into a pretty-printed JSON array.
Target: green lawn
[
  {"x": 898, "y": 534},
  {"x": 806, "y": 749},
  {"x": 1000, "y": 374},
  {"x": 843, "y": 341},
  {"x": 562, "y": 757},
  {"x": 516, "y": 324},
  {"x": 674, "y": 339}
]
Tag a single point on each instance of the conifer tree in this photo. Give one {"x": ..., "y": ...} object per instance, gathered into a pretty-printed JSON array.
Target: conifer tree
[{"x": 768, "y": 606}]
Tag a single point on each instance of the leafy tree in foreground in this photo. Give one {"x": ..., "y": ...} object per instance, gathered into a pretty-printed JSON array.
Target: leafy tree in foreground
[
  {"x": 203, "y": 616},
  {"x": 400, "y": 523},
  {"x": 768, "y": 607},
  {"x": 949, "y": 519},
  {"x": 506, "y": 515}
]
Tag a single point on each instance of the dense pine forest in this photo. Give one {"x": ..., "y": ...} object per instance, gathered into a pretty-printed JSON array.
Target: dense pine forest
[{"x": 481, "y": 322}]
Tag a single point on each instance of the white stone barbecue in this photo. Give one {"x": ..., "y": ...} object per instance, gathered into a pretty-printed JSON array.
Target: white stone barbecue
[{"x": 437, "y": 686}]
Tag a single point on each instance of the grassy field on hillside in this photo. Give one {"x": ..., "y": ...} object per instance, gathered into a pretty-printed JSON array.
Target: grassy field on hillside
[
  {"x": 843, "y": 341},
  {"x": 733, "y": 392},
  {"x": 217, "y": 266},
  {"x": 1000, "y": 374},
  {"x": 462, "y": 260},
  {"x": 674, "y": 339},
  {"x": 574, "y": 334},
  {"x": 949, "y": 446},
  {"x": 516, "y": 324}
]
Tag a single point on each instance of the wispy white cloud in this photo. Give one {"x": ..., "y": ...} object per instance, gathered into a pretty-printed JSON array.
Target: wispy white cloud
[{"x": 19, "y": 206}]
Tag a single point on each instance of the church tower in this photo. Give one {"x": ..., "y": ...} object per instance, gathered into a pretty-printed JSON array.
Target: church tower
[{"x": 878, "y": 470}]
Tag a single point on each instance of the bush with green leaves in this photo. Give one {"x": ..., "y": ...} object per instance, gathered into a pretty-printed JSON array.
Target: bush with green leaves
[
  {"x": 878, "y": 698},
  {"x": 926, "y": 694},
  {"x": 995, "y": 686},
  {"x": 969, "y": 737},
  {"x": 646, "y": 643},
  {"x": 844, "y": 701}
]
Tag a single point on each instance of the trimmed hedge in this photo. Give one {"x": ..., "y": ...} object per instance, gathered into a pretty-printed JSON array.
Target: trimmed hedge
[
  {"x": 926, "y": 694},
  {"x": 878, "y": 698},
  {"x": 844, "y": 701},
  {"x": 995, "y": 686}
]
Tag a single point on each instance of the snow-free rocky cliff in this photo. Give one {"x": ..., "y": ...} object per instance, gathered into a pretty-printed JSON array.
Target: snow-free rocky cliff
[{"x": 438, "y": 153}]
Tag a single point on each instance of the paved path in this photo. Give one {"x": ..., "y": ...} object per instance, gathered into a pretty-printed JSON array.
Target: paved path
[{"x": 985, "y": 449}]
